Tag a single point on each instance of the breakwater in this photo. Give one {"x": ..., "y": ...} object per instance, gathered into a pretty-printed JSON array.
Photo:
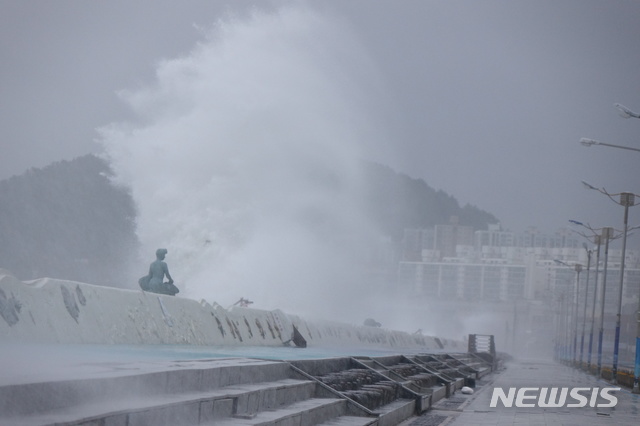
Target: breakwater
[{"x": 58, "y": 311}]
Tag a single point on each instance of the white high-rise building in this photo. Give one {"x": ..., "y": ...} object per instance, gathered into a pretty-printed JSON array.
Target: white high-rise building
[{"x": 498, "y": 265}]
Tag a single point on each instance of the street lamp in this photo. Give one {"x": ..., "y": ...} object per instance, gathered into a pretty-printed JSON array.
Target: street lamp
[
  {"x": 578, "y": 268},
  {"x": 586, "y": 297},
  {"x": 596, "y": 235},
  {"x": 606, "y": 235},
  {"x": 597, "y": 240},
  {"x": 626, "y": 112},
  {"x": 627, "y": 199},
  {"x": 589, "y": 142}
]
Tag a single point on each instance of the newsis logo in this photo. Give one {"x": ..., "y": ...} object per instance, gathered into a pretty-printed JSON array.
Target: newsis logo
[{"x": 554, "y": 397}]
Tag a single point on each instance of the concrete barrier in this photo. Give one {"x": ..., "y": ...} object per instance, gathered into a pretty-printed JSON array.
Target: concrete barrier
[{"x": 57, "y": 311}]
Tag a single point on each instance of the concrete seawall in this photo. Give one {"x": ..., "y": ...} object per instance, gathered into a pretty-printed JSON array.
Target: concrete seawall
[{"x": 57, "y": 311}]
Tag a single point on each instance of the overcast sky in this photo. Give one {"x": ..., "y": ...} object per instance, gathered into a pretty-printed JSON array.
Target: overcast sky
[{"x": 486, "y": 100}]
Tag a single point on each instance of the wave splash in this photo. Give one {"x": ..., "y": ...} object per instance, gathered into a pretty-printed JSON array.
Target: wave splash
[{"x": 244, "y": 162}]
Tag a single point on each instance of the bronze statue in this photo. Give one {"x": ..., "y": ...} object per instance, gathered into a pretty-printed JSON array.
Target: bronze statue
[{"x": 154, "y": 281}]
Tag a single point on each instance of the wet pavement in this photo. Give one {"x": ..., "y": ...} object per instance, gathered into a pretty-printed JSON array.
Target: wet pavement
[{"x": 475, "y": 409}]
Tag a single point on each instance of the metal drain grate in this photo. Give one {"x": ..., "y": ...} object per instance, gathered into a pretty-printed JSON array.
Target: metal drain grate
[
  {"x": 450, "y": 403},
  {"x": 429, "y": 420}
]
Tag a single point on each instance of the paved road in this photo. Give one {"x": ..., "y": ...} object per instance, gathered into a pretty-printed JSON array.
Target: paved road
[{"x": 475, "y": 409}]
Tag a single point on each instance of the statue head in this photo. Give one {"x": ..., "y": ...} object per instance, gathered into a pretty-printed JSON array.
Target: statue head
[{"x": 160, "y": 253}]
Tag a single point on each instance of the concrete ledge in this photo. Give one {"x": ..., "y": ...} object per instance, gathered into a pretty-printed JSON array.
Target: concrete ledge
[
  {"x": 173, "y": 379},
  {"x": 395, "y": 412},
  {"x": 308, "y": 412},
  {"x": 438, "y": 394},
  {"x": 57, "y": 311},
  {"x": 187, "y": 408},
  {"x": 350, "y": 421}
]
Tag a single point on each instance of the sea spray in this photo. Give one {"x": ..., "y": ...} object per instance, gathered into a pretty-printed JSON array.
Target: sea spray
[{"x": 244, "y": 157}]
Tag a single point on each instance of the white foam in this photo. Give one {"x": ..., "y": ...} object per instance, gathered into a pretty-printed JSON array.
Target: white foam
[{"x": 244, "y": 162}]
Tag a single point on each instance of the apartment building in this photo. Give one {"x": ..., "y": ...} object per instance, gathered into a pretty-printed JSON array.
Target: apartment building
[{"x": 498, "y": 265}]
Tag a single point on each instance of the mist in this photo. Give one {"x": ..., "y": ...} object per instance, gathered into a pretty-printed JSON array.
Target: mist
[{"x": 244, "y": 162}]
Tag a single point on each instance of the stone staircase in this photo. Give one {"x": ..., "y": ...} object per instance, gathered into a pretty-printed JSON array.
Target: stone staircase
[
  {"x": 220, "y": 392},
  {"x": 365, "y": 388},
  {"x": 382, "y": 391},
  {"x": 434, "y": 364},
  {"x": 470, "y": 362},
  {"x": 426, "y": 386}
]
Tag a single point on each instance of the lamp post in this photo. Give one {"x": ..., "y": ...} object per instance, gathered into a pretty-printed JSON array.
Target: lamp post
[
  {"x": 590, "y": 142},
  {"x": 597, "y": 239},
  {"x": 566, "y": 327},
  {"x": 626, "y": 112},
  {"x": 586, "y": 297},
  {"x": 578, "y": 268},
  {"x": 627, "y": 200},
  {"x": 595, "y": 235},
  {"x": 595, "y": 298},
  {"x": 606, "y": 235}
]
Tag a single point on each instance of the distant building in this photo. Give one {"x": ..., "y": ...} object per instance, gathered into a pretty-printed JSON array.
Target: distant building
[
  {"x": 494, "y": 237},
  {"x": 481, "y": 281},
  {"x": 448, "y": 237},
  {"x": 439, "y": 242},
  {"x": 454, "y": 262},
  {"x": 415, "y": 241}
]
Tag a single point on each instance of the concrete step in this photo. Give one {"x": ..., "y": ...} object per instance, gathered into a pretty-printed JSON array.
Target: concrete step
[
  {"x": 350, "y": 421},
  {"x": 395, "y": 412},
  {"x": 312, "y": 411},
  {"x": 221, "y": 392},
  {"x": 109, "y": 382},
  {"x": 478, "y": 366},
  {"x": 174, "y": 409}
]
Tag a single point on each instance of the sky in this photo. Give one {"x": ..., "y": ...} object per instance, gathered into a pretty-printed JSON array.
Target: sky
[{"x": 485, "y": 100}]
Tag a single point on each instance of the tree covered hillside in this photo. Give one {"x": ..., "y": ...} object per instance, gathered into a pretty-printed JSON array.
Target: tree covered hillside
[
  {"x": 67, "y": 221},
  {"x": 398, "y": 201}
]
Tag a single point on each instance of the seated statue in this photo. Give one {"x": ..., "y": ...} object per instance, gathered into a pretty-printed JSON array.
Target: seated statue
[{"x": 154, "y": 281}]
